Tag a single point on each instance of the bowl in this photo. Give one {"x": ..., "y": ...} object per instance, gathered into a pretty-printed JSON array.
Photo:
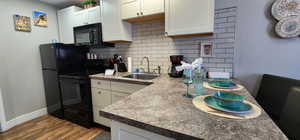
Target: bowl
[{"x": 228, "y": 100}]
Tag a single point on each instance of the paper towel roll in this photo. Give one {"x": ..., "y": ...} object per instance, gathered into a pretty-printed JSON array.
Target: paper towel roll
[{"x": 129, "y": 63}]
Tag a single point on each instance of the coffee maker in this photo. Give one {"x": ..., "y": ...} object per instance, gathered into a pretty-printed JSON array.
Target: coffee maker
[{"x": 176, "y": 61}]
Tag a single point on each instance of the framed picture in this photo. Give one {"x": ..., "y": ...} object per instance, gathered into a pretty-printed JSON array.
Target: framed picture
[
  {"x": 22, "y": 23},
  {"x": 40, "y": 19},
  {"x": 206, "y": 49}
]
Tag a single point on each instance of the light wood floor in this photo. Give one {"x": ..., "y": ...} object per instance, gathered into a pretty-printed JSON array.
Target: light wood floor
[{"x": 49, "y": 128}]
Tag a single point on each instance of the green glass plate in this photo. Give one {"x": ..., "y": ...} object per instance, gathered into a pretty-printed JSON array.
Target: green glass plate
[
  {"x": 222, "y": 84},
  {"x": 244, "y": 108}
]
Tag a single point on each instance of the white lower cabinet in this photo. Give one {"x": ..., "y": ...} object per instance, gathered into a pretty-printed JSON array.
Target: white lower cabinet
[
  {"x": 120, "y": 131},
  {"x": 106, "y": 92},
  {"x": 98, "y": 119},
  {"x": 101, "y": 98}
]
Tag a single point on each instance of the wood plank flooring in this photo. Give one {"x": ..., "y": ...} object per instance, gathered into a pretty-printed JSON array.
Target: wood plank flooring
[{"x": 49, "y": 128}]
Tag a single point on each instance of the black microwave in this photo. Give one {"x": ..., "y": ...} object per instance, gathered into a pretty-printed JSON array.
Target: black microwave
[{"x": 90, "y": 36}]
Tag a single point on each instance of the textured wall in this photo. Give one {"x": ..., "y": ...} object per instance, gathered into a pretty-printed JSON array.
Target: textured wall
[
  {"x": 259, "y": 50},
  {"x": 20, "y": 70},
  {"x": 149, "y": 40}
]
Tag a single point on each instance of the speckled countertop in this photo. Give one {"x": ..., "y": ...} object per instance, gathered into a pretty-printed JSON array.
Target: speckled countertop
[{"x": 160, "y": 108}]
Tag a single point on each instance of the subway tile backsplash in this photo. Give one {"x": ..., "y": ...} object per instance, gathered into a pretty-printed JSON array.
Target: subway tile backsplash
[{"x": 149, "y": 40}]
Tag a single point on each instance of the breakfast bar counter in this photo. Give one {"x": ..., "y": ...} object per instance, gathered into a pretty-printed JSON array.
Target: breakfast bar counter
[{"x": 160, "y": 108}]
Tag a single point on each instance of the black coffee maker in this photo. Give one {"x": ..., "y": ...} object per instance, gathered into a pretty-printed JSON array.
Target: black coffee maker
[{"x": 176, "y": 61}]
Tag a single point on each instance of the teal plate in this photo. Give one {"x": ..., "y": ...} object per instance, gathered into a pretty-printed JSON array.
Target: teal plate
[
  {"x": 228, "y": 84},
  {"x": 244, "y": 108}
]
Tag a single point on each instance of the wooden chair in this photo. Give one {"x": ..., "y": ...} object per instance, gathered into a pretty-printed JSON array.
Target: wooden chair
[
  {"x": 289, "y": 121},
  {"x": 273, "y": 93}
]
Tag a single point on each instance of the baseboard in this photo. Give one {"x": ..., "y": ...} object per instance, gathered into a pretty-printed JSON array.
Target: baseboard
[{"x": 23, "y": 118}]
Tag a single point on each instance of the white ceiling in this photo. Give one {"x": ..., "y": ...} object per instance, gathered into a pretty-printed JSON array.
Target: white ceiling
[{"x": 61, "y": 3}]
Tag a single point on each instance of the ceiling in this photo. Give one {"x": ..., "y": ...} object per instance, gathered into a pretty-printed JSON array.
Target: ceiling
[{"x": 61, "y": 3}]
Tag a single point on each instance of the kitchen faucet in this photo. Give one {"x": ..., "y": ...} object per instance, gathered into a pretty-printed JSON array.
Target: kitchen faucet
[{"x": 148, "y": 63}]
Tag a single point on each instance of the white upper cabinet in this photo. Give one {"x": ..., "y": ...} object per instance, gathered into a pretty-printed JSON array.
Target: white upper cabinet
[
  {"x": 114, "y": 28},
  {"x": 189, "y": 17},
  {"x": 88, "y": 16},
  {"x": 81, "y": 18},
  {"x": 131, "y": 9},
  {"x": 66, "y": 22},
  {"x": 152, "y": 7},
  {"x": 94, "y": 15},
  {"x": 139, "y": 8}
]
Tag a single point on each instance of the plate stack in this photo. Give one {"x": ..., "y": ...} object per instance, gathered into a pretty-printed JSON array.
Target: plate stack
[
  {"x": 228, "y": 102},
  {"x": 224, "y": 103}
]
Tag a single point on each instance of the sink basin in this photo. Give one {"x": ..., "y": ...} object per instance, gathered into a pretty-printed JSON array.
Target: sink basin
[{"x": 142, "y": 76}]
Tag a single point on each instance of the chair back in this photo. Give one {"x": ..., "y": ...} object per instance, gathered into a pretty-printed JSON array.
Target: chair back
[
  {"x": 273, "y": 93},
  {"x": 289, "y": 121}
]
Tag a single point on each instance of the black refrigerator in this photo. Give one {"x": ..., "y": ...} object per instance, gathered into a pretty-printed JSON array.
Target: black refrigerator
[{"x": 59, "y": 59}]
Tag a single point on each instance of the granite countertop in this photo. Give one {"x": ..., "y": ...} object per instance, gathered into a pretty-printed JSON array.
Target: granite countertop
[{"x": 160, "y": 108}]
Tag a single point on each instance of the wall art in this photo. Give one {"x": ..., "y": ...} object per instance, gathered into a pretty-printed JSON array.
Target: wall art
[
  {"x": 206, "y": 49},
  {"x": 40, "y": 19},
  {"x": 22, "y": 23},
  {"x": 287, "y": 12}
]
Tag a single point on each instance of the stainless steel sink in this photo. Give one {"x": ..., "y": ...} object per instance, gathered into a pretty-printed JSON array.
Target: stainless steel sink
[{"x": 142, "y": 76}]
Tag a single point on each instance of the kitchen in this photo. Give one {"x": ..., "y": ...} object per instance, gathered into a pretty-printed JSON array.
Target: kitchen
[{"x": 136, "y": 36}]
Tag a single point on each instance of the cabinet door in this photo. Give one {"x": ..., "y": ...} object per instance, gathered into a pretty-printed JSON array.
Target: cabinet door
[
  {"x": 99, "y": 119},
  {"x": 101, "y": 98},
  {"x": 120, "y": 131},
  {"x": 66, "y": 24},
  {"x": 130, "y": 9},
  {"x": 94, "y": 15},
  {"x": 189, "y": 17},
  {"x": 113, "y": 28},
  {"x": 81, "y": 18},
  {"x": 103, "y": 84},
  {"x": 152, "y": 7}
]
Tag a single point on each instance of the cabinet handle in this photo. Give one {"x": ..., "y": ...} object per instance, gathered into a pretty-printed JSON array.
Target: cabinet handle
[
  {"x": 99, "y": 83},
  {"x": 99, "y": 92},
  {"x": 142, "y": 13},
  {"x": 138, "y": 14}
]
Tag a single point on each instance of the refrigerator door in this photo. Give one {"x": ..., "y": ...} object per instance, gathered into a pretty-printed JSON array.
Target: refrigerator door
[
  {"x": 48, "y": 54},
  {"x": 71, "y": 59},
  {"x": 52, "y": 93}
]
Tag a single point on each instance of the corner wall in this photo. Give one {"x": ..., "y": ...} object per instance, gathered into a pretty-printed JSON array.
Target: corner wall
[
  {"x": 258, "y": 50},
  {"x": 20, "y": 69}
]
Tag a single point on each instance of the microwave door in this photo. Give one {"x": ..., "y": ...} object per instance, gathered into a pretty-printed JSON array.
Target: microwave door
[
  {"x": 82, "y": 38},
  {"x": 92, "y": 38}
]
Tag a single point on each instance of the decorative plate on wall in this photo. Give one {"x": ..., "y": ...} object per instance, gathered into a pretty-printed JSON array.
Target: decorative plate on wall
[
  {"x": 288, "y": 27},
  {"x": 285, "y": 8}
]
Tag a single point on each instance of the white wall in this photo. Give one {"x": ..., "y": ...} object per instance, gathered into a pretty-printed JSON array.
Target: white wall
[
  {"x": 20, "y": 68},
  {"x": 259, "y": 51}
]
